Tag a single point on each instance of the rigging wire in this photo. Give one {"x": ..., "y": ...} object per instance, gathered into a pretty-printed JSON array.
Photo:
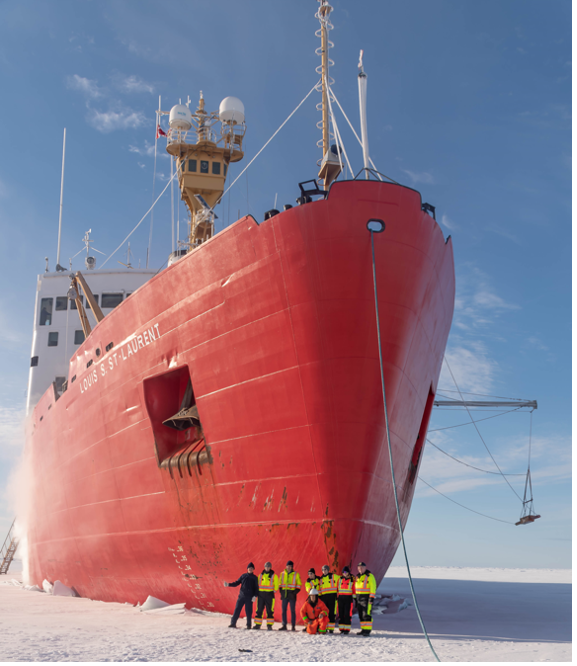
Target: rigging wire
[
  {"x": 354, "y": 132},
  {"x": 272, "y": 137},
  {"x": 337, "y": 133},
  {"x": 139, "y": 223},
  {"x": 462, "y": 462},
  {"x": 507, "y": 522},
  {"x": 528, "y": 507},
  {"x": 172, "y": 199},
  {"x": 479, "y": 432},
  {"x": 459, "y": 425},
  {"x": 391, "y": 451}
]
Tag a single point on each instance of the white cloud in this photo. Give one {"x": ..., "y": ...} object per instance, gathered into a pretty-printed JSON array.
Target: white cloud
[
  {"x": 476, "y": 303},
  {"x": 108, "y": 121},
  {"x": 487, "y": 299},
  {"x": 147, "y": 150},
  {"x": 550, "y": 463},
  {"x": 117, "y": 116},
  {"x": 422, "y": 177},
  {"x": 446, "y": 222},
  {"x": 506, "y": 234},
  {"x": 535, "y": 343},
  {"x": 472, "y": 367},
  {"x": 133, "y": 84},
  {"x": 86, "y": 86}
]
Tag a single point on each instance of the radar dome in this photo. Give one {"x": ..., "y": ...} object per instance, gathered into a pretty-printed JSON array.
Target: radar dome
[
  {"x": 231, "y": 110},
  {"x": 180, "y": 118}
]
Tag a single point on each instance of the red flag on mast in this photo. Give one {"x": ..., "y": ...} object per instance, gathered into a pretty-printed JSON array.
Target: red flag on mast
[{"x": 159, "y": 132}]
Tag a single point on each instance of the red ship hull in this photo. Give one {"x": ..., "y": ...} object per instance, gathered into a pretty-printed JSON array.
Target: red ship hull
[{"x": 275, "y": 326}]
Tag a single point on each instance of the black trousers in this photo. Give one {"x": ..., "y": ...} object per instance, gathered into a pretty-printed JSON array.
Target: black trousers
[
  {"x": 330, "y": 601},
  {"x": 265, "y": 601},
  {"x": 345, "y": 607},
  {"x": 364, "y": 604},
  {"x": 246, "y": 603},
  {"x": 293, "y": 605}
]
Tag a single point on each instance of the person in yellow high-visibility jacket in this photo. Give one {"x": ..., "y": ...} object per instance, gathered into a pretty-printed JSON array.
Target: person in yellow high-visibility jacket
[
  {"x": 365, "y": 590},
  {"x": 289, "y": 583},
  {"x": 328, "y": 589},
  {"x": 312, "y": 581},
  {"x": 267, "y": 586}
]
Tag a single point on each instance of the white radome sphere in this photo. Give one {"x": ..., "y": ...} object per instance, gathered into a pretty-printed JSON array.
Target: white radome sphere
[
  {"x": 180, "y": 118},
  {"x": 231, "y": 109}
]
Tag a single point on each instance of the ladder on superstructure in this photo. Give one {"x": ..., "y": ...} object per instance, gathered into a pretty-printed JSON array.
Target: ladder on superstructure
[{"x": 8, "y": 549}]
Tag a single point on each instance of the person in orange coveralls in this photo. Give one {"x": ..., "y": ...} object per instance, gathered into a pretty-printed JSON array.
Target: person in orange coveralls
[{"x": 315, "y": 614}]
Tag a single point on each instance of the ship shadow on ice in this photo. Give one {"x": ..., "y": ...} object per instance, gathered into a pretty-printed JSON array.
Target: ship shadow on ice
[{"x": 461, "y": 609}]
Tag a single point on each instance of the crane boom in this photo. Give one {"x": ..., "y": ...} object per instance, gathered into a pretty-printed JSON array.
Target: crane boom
[{"x": 486, "y": 403}]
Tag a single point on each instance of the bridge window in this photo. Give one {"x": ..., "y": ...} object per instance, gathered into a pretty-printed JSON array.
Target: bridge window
[
  {"x": 216, "y": 168},
  {"x": 61, "y": 303},
  {"x": 192, "y": 165},
  {"x": 46, "y": 311},
  {"x": 203, "y": 166},
  {"x": 111, "y": 300},
  {"x": 53, "y": 339},
  {"x": 34, "y": 361},
  {"x": 78, "y": 337}
]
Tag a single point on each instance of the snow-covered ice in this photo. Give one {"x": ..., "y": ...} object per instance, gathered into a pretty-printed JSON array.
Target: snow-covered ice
[{"x": 489, "y": 615}]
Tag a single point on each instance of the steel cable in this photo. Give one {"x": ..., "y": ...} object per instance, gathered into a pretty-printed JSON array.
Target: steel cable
[
  {"x": 467, "y": 464},
  {"x": 391, "y": 451},
  {"x": 479, "y": 432},
  {"x": 463, "y": 506}
]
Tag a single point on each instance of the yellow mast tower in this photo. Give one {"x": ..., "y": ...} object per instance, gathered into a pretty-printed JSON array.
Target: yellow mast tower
[{"x": 202, "y": 158}]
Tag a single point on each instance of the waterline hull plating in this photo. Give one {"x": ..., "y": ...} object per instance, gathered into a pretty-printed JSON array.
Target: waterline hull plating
[{"x": 275, "y": 326}]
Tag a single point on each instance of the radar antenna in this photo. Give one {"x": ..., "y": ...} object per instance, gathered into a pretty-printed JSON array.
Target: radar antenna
[{"x": 89, "y": 261}]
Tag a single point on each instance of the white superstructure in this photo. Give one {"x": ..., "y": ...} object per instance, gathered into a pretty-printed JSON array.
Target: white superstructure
[{"x": 57, "y": 331}]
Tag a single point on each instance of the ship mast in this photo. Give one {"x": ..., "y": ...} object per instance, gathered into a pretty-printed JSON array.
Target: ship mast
[
  {"x": 324, "y": 12},
  {"x": 330, "y": 163},
  {"x": 202, "y": 159}
]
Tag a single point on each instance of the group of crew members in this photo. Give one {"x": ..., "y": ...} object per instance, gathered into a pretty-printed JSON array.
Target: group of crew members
[{"x": 330, "y": 598}]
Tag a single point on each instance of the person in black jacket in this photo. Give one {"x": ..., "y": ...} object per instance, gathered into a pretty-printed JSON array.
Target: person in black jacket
[{"x": 247, "y": 595}]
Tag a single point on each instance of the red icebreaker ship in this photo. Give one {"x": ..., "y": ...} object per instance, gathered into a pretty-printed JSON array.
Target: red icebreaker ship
[
  {"x": 273, "y": 325},
  {"x": 230, "y": 409}
]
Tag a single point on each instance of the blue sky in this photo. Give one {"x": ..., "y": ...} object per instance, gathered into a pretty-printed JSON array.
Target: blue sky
[{"x": 468, "y": 102}]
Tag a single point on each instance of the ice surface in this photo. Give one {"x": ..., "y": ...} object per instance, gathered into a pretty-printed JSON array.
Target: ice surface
[
  {"x": 61, "y": 590},
  {"x": 152, "y": 602},
  {"x": 154, "y": 605},
  {"x": 472, "y": 615}
]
